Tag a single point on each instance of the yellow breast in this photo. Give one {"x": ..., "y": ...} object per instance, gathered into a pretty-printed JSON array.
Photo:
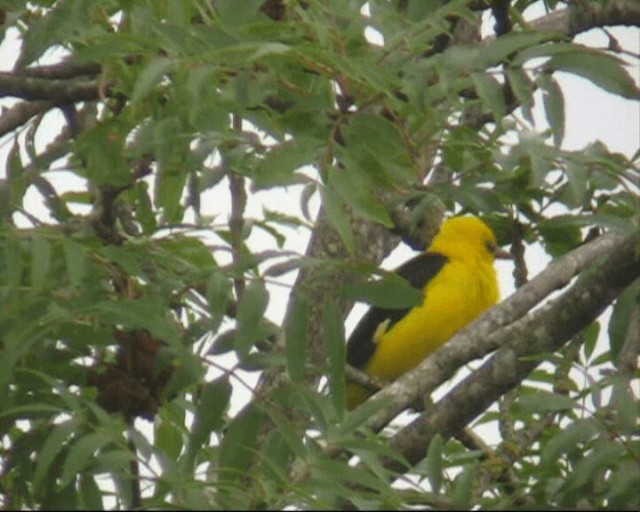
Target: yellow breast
[{"x": 455, "y": 297}]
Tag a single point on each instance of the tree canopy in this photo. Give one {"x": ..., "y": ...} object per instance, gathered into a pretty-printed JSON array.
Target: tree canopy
[{"x": 167, "y": 340}]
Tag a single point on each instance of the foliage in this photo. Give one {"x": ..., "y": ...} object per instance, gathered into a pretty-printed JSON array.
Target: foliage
[{"x": 200, "y": 140}]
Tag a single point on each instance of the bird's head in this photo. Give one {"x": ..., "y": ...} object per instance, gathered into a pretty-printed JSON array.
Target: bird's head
[{"x": 467, "y": 236}]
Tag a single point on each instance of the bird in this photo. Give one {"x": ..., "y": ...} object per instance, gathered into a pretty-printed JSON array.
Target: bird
[{"x": 458, "y": 280}]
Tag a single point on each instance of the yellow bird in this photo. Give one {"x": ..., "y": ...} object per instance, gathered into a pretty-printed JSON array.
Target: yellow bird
[{"x": 459, "y": 283}]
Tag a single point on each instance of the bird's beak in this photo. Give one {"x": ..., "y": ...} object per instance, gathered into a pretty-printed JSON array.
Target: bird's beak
[{"x": 501, "y": 254}]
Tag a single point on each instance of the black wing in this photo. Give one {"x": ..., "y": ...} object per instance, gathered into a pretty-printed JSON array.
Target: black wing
[{"x": 418, "y": 271}]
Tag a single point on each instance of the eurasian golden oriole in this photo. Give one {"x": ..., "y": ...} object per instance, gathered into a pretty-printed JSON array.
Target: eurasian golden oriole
[{"x": 459, "y": 282}]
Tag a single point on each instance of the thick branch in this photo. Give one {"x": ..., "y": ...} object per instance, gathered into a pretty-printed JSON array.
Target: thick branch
[
  {"x": 64, "y": 70},
  {"x": 585, "y": 15},
  {"x": 544, "y": 330},
  {"x": 59, "y": 91}
]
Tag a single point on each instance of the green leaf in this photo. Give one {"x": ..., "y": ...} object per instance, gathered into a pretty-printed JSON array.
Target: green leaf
[
  {"x": 168, "y": 438},
  {"x": 188, "y": 371},
  {"x": 17, "y": 181},
  {"x": 543, "y": 401},
  {"x": 625, "y": 403},
  {"x": 504, "y": 47},
  {"x": 604, "y": 455},
  {"x": 232, "y": 16},
  {"x": 375, "y": 151},
  {"x": 218, "y": 296},
  {"x": 223, "y": 343},
  {"x": 391, "y": 292},
  {"x": 433, "y": 463},
  {"x": 269, "y": 48},
  {"x": 296, "y": 332},
  {"x": 169, "y": 187},
  {"x": 81, "y": 455},
  {"x": 278, "y": 166},
  {"x": 540, "y": 166},
  {"x": 143, "y": 207},
  {"x": 568, "y": 440},
  {"x": 53, "y": 445},
  {"x": 334, "y": 473},
  {"x": 40, "y": 260},
  {"x": 64, "y": 499},
  {"x": 75, "y": 258},
  {"x": 339, "y": 217},
  {"x": 553, "y": 101},
  {"x": 143, "y": 313},
  {"x": 65, "y": 20},
  {"x": 356, "y": 417},
  {"x": 291, "y": 436},
  {"x": 417, "y": 10},
  {"x": 171, "y": 148},
  {"x": 336, "y": 349},
  {"x": 214, "y": 401},
  {"x": 90, "y": 494},
  {"x": 130, "y": 257},
  {"x": 275, "y": 457},
  {"x": 490, "y": 92},
  {"x": 102, "y": 148},
  {"x": 521, "y": 85},
  {"x": 239, "y": 443},
  {"x": 463, "y": 487},
  {"x": 151, "y": 76},
  {"x": 560, "y": 235},
  {"x": 620, "y": 321},
  {"x": 5, "y": 201},
  {"x": 622, "y": 488},
  {"x": 32, "y": 410},
  {"x": 279, "y": 238},
  {"x": 358, "y": 196},
  {"x": 577, "y": 187},
  {"x": 590, "y": 338},
  {"x": 602, "y": 69},
  {"x": 189, "y": 250},
  {"x": 250, "y": 311},
  {"x": 13, "y": 260},
  {"x": 115, "y": 461}
]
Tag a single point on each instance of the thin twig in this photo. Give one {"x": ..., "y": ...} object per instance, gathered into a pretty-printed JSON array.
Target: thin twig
[
  {"x": 236, "y": 219},
  {"x": 627, "y": 361},
  {"x": 134, "y": 467}
]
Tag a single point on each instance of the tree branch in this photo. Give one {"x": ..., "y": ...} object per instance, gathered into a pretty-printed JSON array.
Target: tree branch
[
  {"x": 584, "y": 15},
  {"x": 236, "y": 225},
  {"x": 64, "y": 70},
  {"x": 59, "y": 91}
]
